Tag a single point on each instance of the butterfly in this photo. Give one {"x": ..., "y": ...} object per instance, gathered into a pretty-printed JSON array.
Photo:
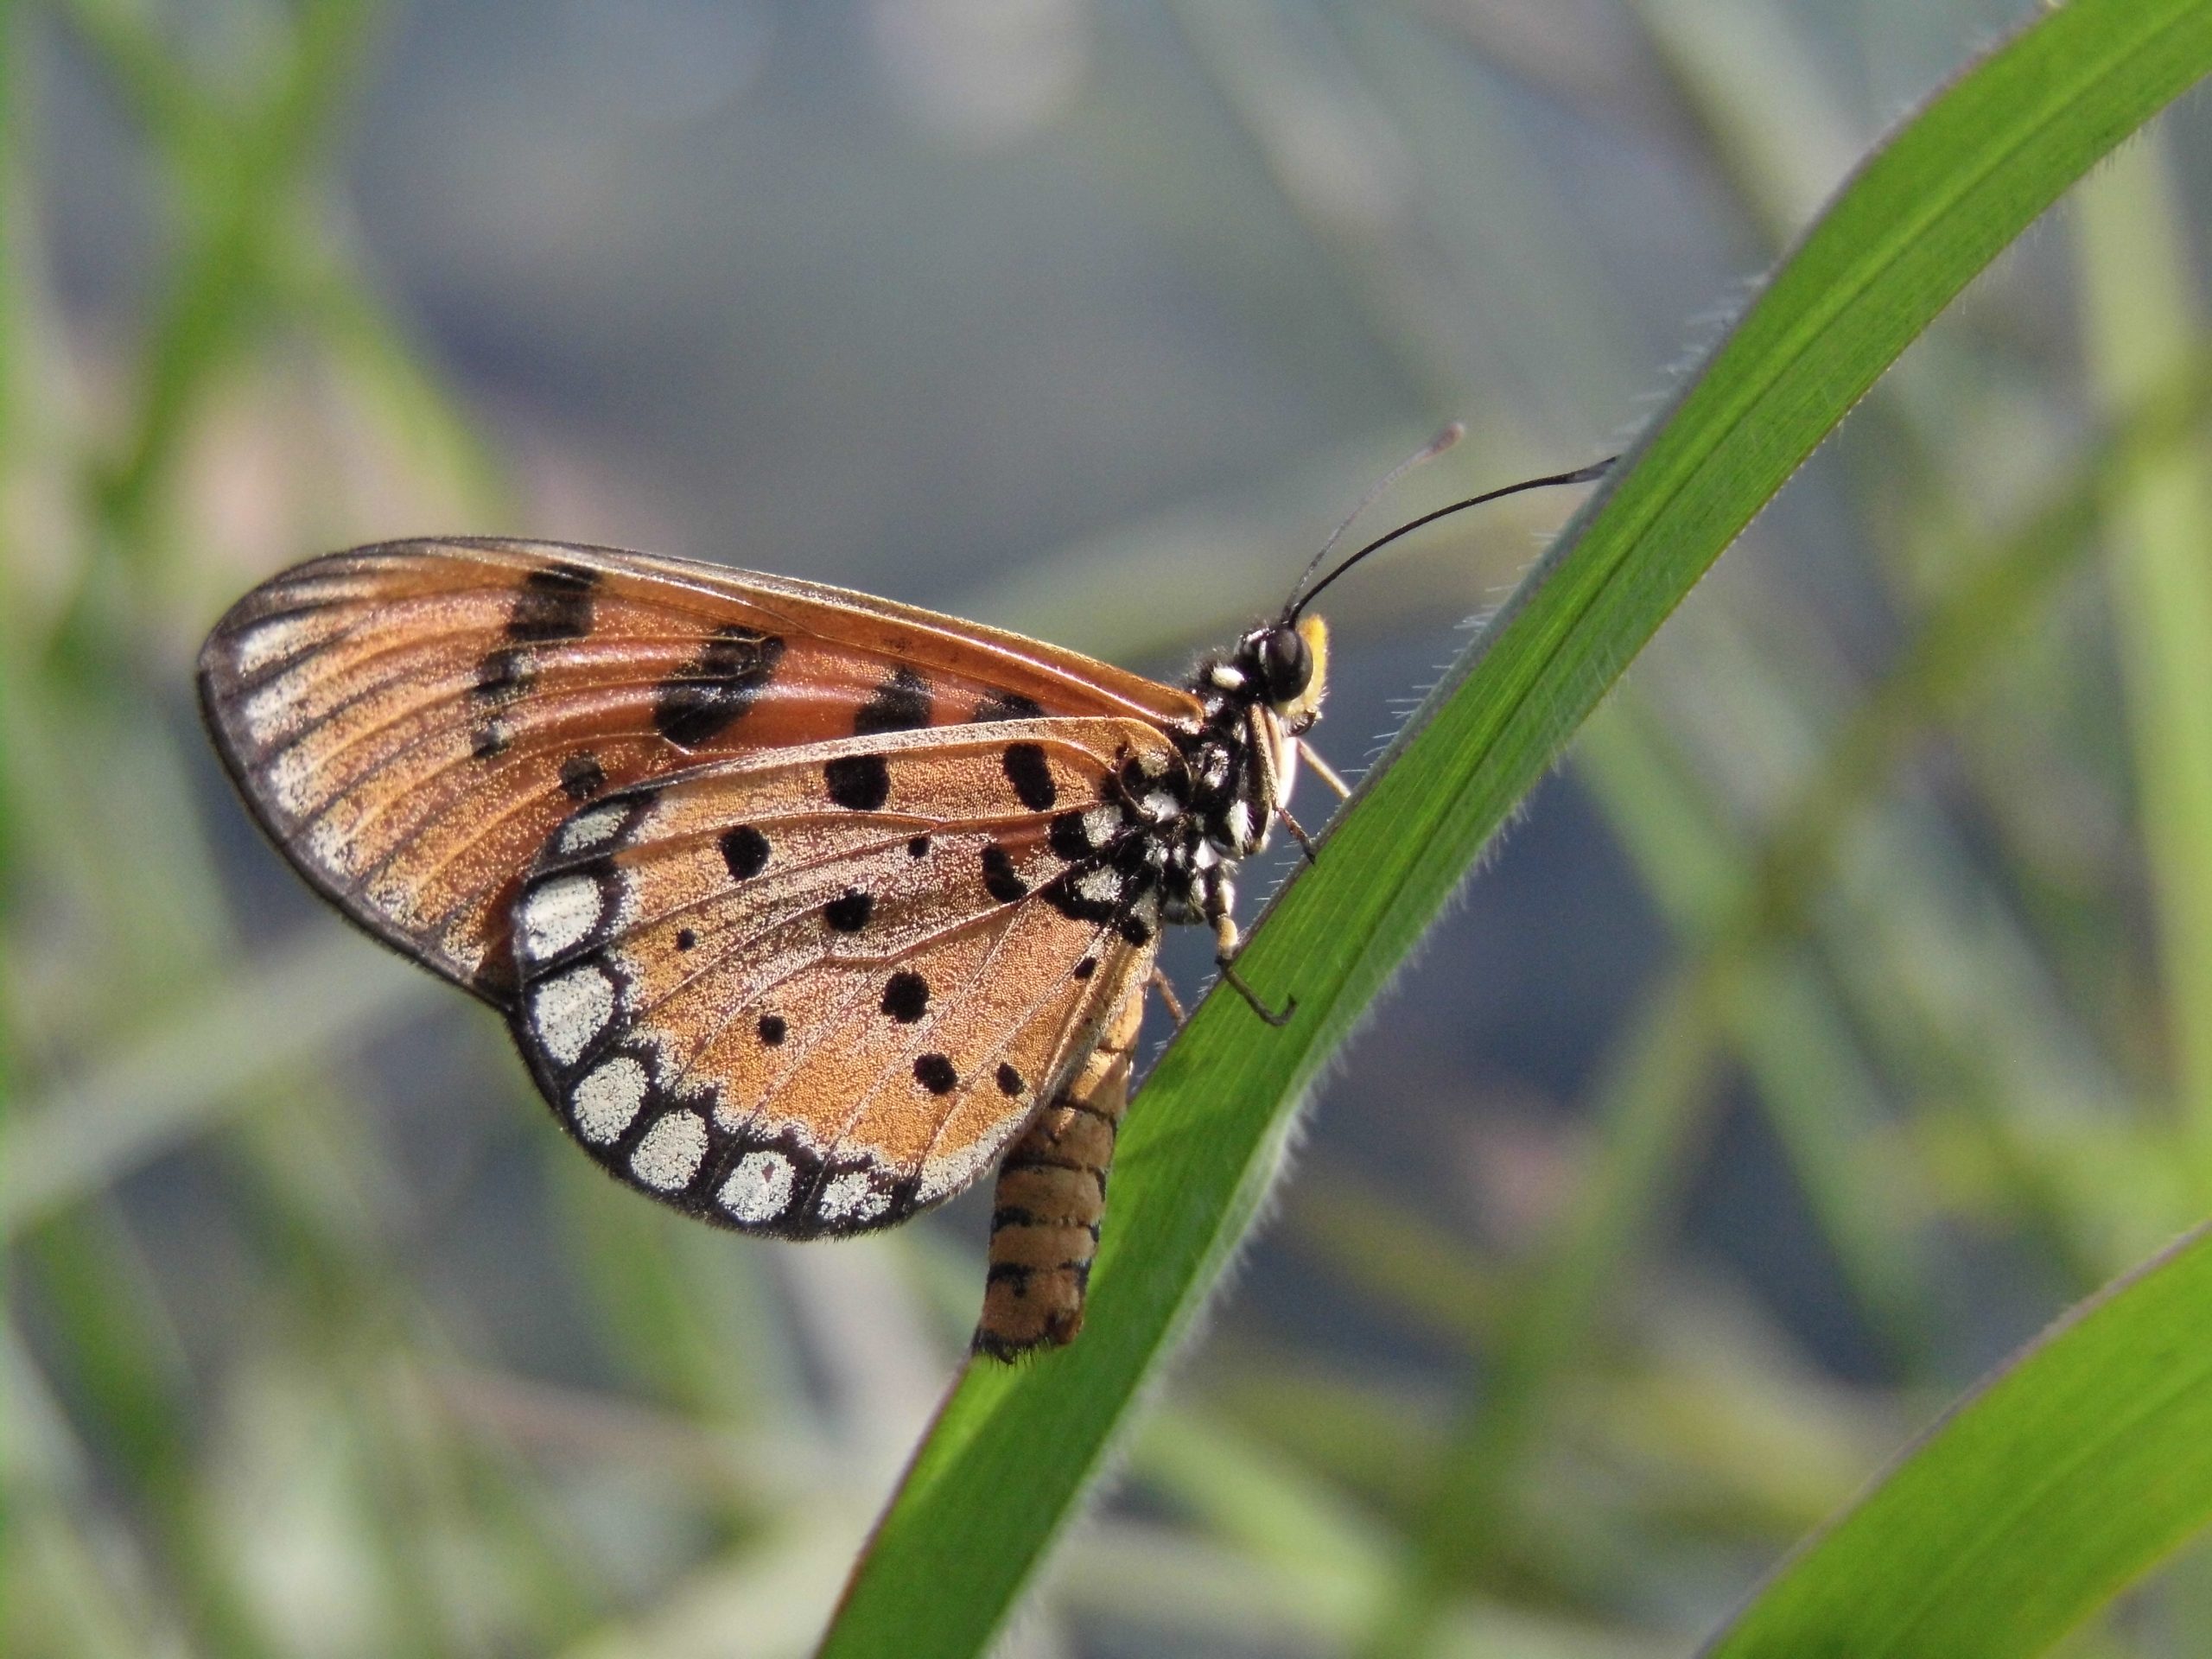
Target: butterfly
[{"x": 803, "y": 906}]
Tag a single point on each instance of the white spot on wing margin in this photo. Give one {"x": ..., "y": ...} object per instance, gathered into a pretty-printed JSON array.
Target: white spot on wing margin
[
  {"x": 605, "y": 1102},
  {"x": 269, "y": 712},
  {"x": 568, "y": 1011},
  {"x": 759, "y": 1188},
  {"x": 562, "y": 912},
  {"x": 949, "y": 1174},
  {"x": 280, "y": 637},
  {"x": 672, "y": 1151},
  {"x": 851, "y": 1198}
]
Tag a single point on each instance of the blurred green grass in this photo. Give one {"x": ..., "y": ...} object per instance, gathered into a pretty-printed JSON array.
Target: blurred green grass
[{"x": 1955, "y": 904}]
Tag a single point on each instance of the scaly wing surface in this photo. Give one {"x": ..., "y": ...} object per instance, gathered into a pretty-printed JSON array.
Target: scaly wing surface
[{"x": 813, "y": 991}]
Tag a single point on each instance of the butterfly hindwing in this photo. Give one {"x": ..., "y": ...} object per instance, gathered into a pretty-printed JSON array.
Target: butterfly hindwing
[
  {"x": 812, "y": 991},
  {"x": 413, "y": 721}
]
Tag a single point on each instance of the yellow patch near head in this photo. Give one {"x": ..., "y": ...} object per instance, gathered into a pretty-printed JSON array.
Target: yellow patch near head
[{"x": 1305, "y": 709}]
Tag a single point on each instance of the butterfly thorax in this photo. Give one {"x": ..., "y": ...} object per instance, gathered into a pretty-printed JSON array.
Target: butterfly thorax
[{"x": 1240, "y": 762}]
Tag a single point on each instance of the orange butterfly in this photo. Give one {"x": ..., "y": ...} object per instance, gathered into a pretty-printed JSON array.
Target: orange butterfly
[{"x": 803, "y": 905}]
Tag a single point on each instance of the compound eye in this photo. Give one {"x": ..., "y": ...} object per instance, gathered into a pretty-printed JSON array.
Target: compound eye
[{"x": 1286, "y": 666}]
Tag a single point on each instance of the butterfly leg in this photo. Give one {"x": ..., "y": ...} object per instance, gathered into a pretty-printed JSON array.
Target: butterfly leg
[
  {"x": 1173, "y": 1004},
  {"x": 1228, "y": 945},
  {"x": 1323, "y": 770},
  {"x": 1298, "y": 834},
  {"x": 1051, "y": 1198}
]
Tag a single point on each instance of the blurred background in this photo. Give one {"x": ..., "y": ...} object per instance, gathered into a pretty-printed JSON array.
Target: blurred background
[{"x": 1836, "y": 1016}]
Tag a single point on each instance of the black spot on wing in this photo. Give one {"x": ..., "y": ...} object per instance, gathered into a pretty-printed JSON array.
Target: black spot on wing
[
  {"x": 1025, "y": 769},
  {"x": 902, "y": 703},
  {"x": 772, "y": 1029},
  {"x": 935, "y": 1073},
  {"x": 919, "y": 847},
  {"x": 1068, "y": 840},
  {"x": 1066, "y": 897},
  {"x": 553, "y": 603},
  {"x": 685, "y": 938},
  {"x": 849, "y": 913},
  {"x": 490, "y": 740},
  {"x": 859, "y": 782},
  {"x": 905, "y": 996},
  {"x": 504, "y": 675},
  {"x": 1009, "y": 1081},
  {"x": 745, "y": 850},
  {"x": 999, "y": 877},
  {"x": 582, "y": 776},
  {"x": 707, "y": 694},
  {"x": 1008, "y": 705},
  {"x": 1086, "y": 968}
]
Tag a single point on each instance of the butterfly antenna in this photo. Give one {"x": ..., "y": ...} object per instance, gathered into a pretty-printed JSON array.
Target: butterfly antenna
[
  {"x": 1580, "y": 475},
  {"x": 1436, "y": 446}
]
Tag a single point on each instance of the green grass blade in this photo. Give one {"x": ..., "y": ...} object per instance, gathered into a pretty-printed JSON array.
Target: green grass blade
[
  {"x": 2075, "y": 1469},
  {"x": 1014, "y": 1449},
  {"x": 2138, "y": 315}
]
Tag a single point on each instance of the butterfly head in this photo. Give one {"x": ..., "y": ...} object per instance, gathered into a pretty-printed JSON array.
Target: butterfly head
[{"x": 1285, "y": 664}]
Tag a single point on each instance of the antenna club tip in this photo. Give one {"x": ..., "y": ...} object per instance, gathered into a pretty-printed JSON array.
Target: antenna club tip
[{"x": 1452, "y": 432}]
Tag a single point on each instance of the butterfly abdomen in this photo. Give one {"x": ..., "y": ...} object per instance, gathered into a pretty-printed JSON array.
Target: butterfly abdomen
[{"x": 1050, "y": 1197}]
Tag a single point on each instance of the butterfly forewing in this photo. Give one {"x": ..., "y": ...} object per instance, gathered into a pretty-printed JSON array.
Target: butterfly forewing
[
  {"x": 413, "y": 721},
  {"x": 812, "y": 991}
]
